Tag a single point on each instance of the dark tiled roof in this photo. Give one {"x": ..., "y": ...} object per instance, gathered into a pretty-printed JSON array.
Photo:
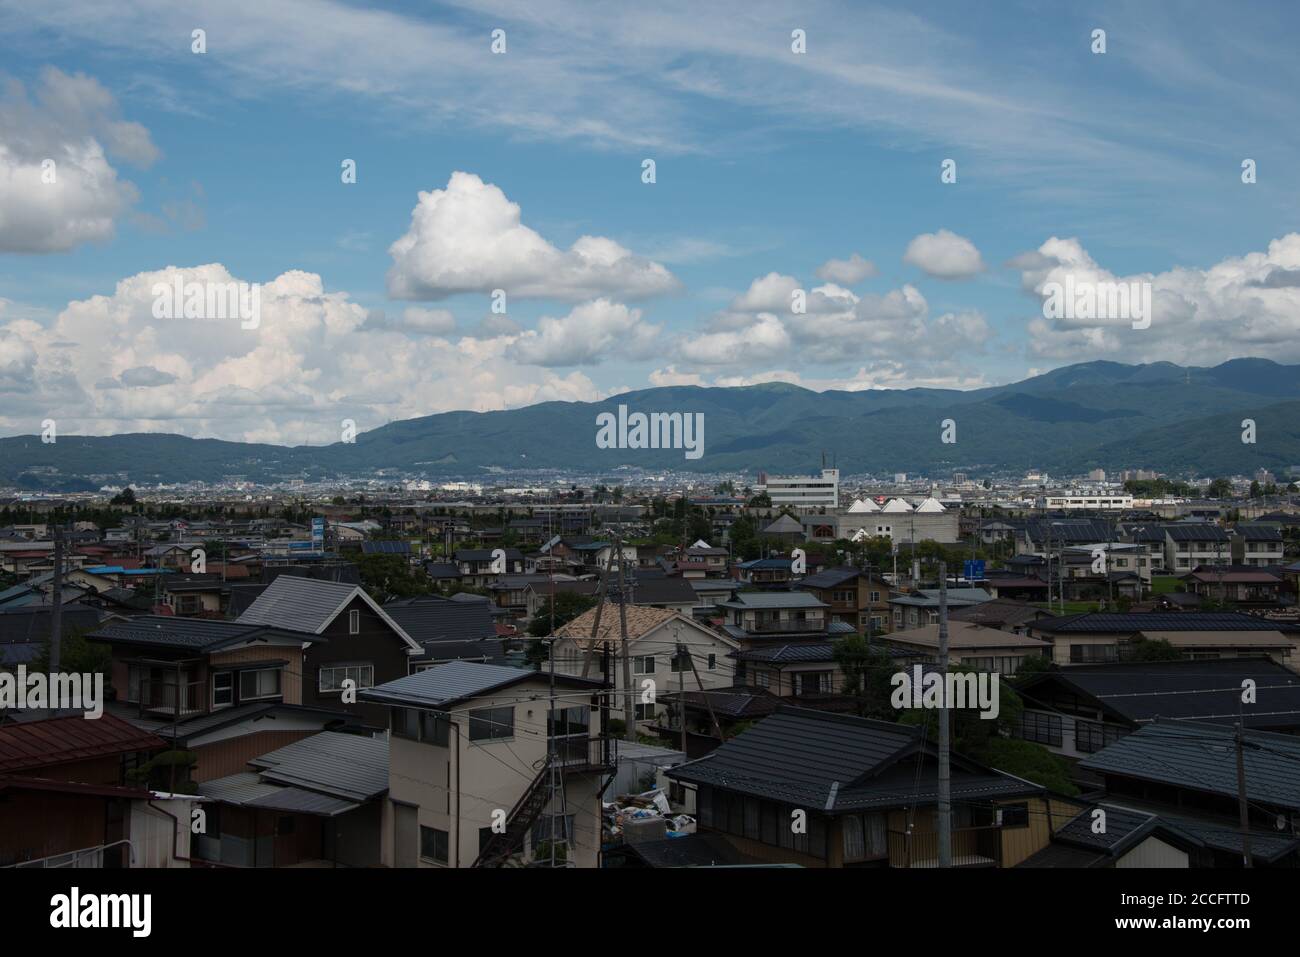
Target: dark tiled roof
[
  {"x": 485, "y": 554},
  {"x": 438, "y": 570},
  {"x": 1131, "y": 622},
  {"x": 830, "y": 578},
  {"x": 796, "y": 755},
  {"x": 168, "y": 631},
  {"x": 386, "y": 548},
  {"x": 439, "y": 619},
  {"x": 1206, "y": 690},
  {"x": 1201, "y": 757},
  {"x": 1259, "y": 533},
  {"x": 783, "y": 654},
  {"x": 1196, "y": 532}
]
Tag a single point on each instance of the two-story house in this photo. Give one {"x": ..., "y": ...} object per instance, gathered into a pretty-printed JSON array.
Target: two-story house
[
  {"x": 853, "y": 596},
  {"x": 479, "y": 566},
  {"x": 351, "y": 642},
  {"x": 485, "y": 767},
  {"x": 1189, "y": 544},
  {"x": 1258, "y": 544}
]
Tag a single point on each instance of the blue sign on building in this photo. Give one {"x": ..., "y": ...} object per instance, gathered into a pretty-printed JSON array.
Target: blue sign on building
[{"x": 974, "y": 569}]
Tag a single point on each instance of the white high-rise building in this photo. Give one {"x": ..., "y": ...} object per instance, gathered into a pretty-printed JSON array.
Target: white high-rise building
[{"x": 803, "y": 491}]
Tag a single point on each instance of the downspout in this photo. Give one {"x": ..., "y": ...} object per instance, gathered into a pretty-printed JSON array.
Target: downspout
[
  {"x": 456, "y": 728},
  {"x": 175, "y": 831}
]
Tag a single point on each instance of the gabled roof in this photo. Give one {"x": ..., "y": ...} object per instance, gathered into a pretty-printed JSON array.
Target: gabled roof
[
  {"x": 1258, "y": 533},
  {"x": 862, "y": 506},
  {"x": 1196, "y": 532},
  {"x": 1202, "y": 757},
  {"x": 310, "y": 605},
  {"x": 931, "y": 504},
  {"x": 839, "y": 763},
  {"x": 896, "y": 505},
  {"x": 39, "y": 744},
  {"x": 787, "y": 654},
  {"x": 459, "y": 681},
  {"x": 485, "y": 554}
]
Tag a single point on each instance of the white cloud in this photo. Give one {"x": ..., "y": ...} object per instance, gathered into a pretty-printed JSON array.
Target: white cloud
[
  {"x": 63, "y": 134},
  {"x": 468, "y": 237},
  {"x": 847, "y": 272},
  {"x": 106, "y": 365},
  {"x": 1235, "y": 308},
  {"x": 944, "y": 255},
  {"x": 592, "y": 332}
]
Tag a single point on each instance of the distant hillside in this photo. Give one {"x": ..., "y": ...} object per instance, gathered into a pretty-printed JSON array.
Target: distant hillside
[{"x": 1096, "y": 414}]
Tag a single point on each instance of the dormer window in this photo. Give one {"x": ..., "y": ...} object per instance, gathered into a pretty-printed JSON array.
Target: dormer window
[{"x": 354, "y": 622}]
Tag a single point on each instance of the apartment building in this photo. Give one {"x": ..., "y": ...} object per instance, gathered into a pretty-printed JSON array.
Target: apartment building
[{"x": 802, "y": 491}]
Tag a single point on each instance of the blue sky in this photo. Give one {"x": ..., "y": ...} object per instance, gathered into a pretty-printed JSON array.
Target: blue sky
[{"x": 1122, "y": 165}]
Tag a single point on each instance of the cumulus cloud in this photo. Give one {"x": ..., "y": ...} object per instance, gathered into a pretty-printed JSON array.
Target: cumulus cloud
[
  {"x": 847, "y": 272},
  {"x": 57, "y": 187},
  {"x": 435, "y": 322},
  {"x": 592, "y": 332},
  {"x": 469, "y": 237},
  {"x": 837, "y": 326},
  {"x": 1243, "y": 306},
  {"x": 944, "y": 255},
  {"x": 107, "y": 365}
]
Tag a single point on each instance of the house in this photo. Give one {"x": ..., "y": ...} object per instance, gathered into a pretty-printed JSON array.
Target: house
[
  {"x": 1189, "y": 768},
  {"x": 972, "y": 645},
  {"x": 921, "y": 607},
  {"x": 472, "y": 748},
  {"x": 1239, "y": 584},
  {"x": 478, "y": 566},
  {"x": 193, "y": 595},
  {"x": 665, "y": 591},
  {"x": 350, "y": 641},
  {"x": 67, "y": 800},
  {"x": 767, "y": 617},
  {"x": 1130, "y": 838},
  {"x": 443, "y": 574},
  {"x": 864, "y": 793},
  {"x": 1106, "y": 636},
  {"x": 854, "y": 596},
  {"x": 1258, "y": 544},
  {"x": 511, "y": 593},
  {"x": 654, "y": 635},
  {"x": 1188, "y": 544},
  {"x": 713, "y": 559},
  {"x": 1077, "y": 711},
  {"x": 316, "y": 801}
]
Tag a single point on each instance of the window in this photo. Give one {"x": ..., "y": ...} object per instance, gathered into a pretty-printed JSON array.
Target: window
[
  {"x": 263, "y": 683},
  {"x": 645, "y": 712},
  {"x": 875, "y": 597},
  {"x": 762, "y": 679},
  {"x": 433, "y": 844},
  {"x": 1014, "y": 815},
  {"x": 403, "y": 724},
  {"x": 491, "y": 724},
  {"x": 643, "y": 665},
  {"x": 435, "y": 728},
  {"x": 812, "y": 682},
  {"x": 1042, "y": 728},
  {"x": 223, "y": 689},
  {"x": 133, "y": 673},
  {"x": 713, "y": 662},
  {"x": 354, "y": 622},
  {"x": 679, "y": 663},
  {"x": 1090, "y": 736},
  {"x": 332, "y": 677}
]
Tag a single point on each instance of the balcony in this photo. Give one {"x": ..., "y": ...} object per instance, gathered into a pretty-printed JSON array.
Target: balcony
[
  {"x": 785, "y": 626},
  {"x": 971, "y": 847},
  {"x": 581, "y": 752}
]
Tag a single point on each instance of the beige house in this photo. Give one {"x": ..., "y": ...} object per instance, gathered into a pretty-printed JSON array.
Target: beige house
[
  {"x": 653, "y": 635},
  {"x": 973, "y": 645},
  {"x": 471, "y": 777}
]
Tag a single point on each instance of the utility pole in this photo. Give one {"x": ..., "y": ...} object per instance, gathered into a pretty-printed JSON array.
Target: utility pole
[
  {"x": 56, "y": 602},
  {"x": 945, "y": 799},
  {"x": 681, "y": 685},
  {"x": 629, "y": 731},
  {"x": 1242, "y": 808}
]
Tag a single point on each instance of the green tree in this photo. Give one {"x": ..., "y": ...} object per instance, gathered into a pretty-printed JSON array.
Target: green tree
[{"x": 1151, "y": 649}]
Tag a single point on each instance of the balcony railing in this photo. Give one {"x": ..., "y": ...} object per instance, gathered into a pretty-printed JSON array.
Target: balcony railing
[
  {"x": 785, "y": 625},
  {"x": 971, "y": 847},
  {"x": 581, "y": 751}
]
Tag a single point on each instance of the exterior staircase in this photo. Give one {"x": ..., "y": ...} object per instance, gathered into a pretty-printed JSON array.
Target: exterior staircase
[{"x": 509, "y": 843}]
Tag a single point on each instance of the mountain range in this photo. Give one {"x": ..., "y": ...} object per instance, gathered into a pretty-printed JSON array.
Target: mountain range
[{"x": 1092, "y": 415}]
